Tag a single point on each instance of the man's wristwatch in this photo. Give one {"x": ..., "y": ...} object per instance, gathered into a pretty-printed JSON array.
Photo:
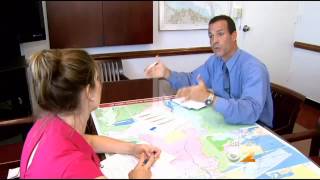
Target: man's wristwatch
[{"x": 210, "y": 99}]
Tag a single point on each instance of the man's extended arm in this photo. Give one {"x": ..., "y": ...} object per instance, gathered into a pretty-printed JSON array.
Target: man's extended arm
[{"x": 178, "y": 80}]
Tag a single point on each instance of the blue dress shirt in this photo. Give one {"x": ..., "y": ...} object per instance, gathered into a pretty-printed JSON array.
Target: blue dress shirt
[{"x": 250, "y": 93}]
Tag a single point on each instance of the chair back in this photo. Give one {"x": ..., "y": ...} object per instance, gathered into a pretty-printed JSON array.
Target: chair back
[{"x": 286, "y": 107}]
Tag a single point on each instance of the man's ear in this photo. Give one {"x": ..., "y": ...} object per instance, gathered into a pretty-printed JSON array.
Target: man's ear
[
  {"x": 234, "y": 36},
  {"x": 88, "y": 93}
]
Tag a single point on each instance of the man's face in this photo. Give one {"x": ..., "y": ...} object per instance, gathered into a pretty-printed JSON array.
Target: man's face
[{"x": 222, "y": 42}]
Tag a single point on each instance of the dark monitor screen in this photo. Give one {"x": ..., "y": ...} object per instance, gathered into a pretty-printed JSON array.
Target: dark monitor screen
[
  {"x": 10, "y": 54},
  {"x": 31, "y": 21}
]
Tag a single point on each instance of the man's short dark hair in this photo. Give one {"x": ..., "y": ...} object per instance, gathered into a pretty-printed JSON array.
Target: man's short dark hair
[{"x": 231, "y": 25}]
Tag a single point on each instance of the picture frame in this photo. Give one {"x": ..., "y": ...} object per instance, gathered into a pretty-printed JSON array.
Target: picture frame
[{"x": 190, "y": 15}]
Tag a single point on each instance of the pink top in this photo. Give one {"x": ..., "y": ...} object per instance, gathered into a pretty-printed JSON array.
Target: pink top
[{"x": 62, "y": 152}]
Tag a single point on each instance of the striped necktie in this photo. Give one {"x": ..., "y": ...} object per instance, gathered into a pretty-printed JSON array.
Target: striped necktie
[{"x": 226, "y": 79}]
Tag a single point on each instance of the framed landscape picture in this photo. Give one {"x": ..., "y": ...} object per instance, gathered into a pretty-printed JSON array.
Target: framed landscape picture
[{"x": 189, "y": 15}]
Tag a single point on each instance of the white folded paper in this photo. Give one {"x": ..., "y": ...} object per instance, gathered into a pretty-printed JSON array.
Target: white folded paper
[{"x": 190, "y": 104}]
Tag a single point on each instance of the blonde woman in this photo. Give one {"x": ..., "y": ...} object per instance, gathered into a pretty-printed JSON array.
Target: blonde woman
[{"x": 66, "y": 84}]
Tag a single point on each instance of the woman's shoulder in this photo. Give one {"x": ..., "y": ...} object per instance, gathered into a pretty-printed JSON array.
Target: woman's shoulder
[
  {"x": 60, "y": 147},
  {"x": 52, "y": 131}
]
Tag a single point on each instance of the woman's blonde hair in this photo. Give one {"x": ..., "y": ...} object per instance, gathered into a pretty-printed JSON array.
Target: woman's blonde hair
[{"x": 59, "y": 75}]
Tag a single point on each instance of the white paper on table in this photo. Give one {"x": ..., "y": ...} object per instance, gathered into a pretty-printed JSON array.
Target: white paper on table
[
  {"x": 167, "y": 123},
  {"x": 190, "y": 104},
  {"x": 118, "y": 166}
]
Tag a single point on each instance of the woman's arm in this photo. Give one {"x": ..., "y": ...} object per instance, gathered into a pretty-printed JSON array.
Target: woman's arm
[
  {"x": 103, "y": 144},
  {"x": 101, "y": 177}
]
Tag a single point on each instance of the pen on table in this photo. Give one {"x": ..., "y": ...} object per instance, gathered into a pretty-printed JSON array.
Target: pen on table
[{"x": 153, "y": 128}]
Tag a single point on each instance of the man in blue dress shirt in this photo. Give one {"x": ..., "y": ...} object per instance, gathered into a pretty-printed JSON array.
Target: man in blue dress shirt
[{"x": 232, "y": 81}]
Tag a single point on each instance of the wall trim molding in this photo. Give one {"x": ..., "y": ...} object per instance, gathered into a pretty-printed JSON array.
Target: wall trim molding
[
  {"x": 152, "y": 53},
  {"x": 306, "y": 46},
  {"x": 21, "y": 120},
  {"x": 312, "y": 103}
]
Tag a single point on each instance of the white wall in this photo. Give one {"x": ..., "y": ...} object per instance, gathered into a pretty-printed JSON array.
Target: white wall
[
  {"x": 304, "y": 74},
  {"x": 270, "y": 39},
  {"x": 271, "y": 36},
  {"x": 308, "y": 28}
]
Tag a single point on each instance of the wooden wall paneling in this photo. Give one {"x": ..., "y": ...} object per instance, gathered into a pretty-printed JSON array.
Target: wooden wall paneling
[
  {"x": 75, "y": 24},
  {"x": 127, "y": 22},
  {"x": 129, "y": 90}
]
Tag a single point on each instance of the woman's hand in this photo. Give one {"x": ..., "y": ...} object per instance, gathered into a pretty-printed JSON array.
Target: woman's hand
[
  {"x": 146, "y": 149},
  {"x": 142, "y": 170}
]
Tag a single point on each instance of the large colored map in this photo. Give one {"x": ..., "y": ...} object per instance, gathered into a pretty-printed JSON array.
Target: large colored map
[{"x": 197, "y": 143}]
